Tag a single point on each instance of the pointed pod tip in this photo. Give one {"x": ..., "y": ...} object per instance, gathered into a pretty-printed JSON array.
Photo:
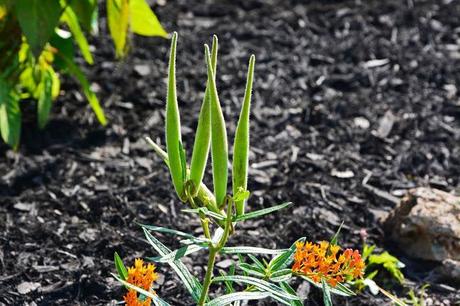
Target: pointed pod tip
[
  {"x": 252, "y": 59},
  {"x": 214, "y": 38}
]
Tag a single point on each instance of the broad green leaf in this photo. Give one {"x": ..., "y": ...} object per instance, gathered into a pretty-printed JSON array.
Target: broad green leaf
[
  {"x": 327, "y": 299},
  {"x": 289, "y": 289},
  {"x": 118, "y": 21},
  {"x": 37, "y": 18},
  {"x": 281, "y": 275},
  {"x": 241, "y": 142},
  {"x": 144, "y": 21},
  {"x": 237, "y": 296},
  {"x": 71, "y": 19},
  {"x": 203, "y": 131},
  {"x": 155, "y": 299},
  {"x": 262, "y": 285},
  {"x": 258, "y": 213},
  {"x": 62, "y": 41},
  {"x": 173, "y": 130},
  {"x": 92, "y": 99},
  {"x": 85, "y": 11},
  {"x": 45, "y": 100},
  {"x": 10, "y": 115},
  {"x": 249, "y": 250},
  {"x": 119, "y": 265},
  {"x": 192, "y": 285},
  {"x": 179, "y": 253},
  {"x": 219, "y": 146}
]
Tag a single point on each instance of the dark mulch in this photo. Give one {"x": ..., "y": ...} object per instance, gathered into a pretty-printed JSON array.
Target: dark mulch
[{"x": 344, "y": 90}]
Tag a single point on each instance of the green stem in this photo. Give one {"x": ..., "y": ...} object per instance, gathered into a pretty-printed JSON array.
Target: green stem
[
  {"x": 208, "y": 276},
  {"x": 214, "y": 250}
]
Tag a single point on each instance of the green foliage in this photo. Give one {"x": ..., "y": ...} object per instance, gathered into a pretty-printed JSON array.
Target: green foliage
[
  {"x": 35, "y": 50},
  {"x": 259, "y": 272},
  {"x": 383, "y": 260}
]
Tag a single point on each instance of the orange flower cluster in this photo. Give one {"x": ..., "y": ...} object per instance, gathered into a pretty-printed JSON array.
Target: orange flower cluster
[
  {"x": 141, "y": 276},
  {"x": 323, "y": 260}
]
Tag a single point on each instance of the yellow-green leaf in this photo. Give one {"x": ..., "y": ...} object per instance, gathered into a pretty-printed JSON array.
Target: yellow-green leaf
[
  {"x": 10, "y": 115},
  {"x": 144, "y": 21},
  {"x": 71, "y": 19},
  {"x": 118, "y": 20},
  {"x": 45, "y": 100}
]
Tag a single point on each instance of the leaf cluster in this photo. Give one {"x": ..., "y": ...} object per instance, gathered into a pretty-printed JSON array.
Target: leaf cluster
[{"x": 37, "y": 39}]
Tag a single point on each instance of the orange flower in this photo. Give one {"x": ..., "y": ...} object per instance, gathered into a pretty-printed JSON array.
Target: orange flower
[
  {"x": 323, "y": 261},
  {"x": 141, "y": 276}
]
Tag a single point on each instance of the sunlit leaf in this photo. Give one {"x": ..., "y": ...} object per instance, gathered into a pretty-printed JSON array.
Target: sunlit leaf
[
  {"x": 155, "y": 299},
  {"x": 118, "y": 21},
  {"x": 250, "y": 250},
  {"x": 327, "y": 299},
  {"x": 71, "y": 19},
  {"x": 144, "y": 21}
]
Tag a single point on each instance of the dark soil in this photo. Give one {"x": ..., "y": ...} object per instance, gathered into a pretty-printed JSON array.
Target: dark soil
[{"x": 325, "y": 116}]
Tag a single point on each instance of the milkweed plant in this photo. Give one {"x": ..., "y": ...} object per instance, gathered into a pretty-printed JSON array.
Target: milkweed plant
[{"x": 258, "y": 273}]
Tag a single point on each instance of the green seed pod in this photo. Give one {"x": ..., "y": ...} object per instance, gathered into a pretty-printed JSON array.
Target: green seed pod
[
  {"x": 173, "y": 133},
  {"x": 241, "y": 142},
  {"x": 203, "y": 131},
  {"x": 219, "y": 146}
]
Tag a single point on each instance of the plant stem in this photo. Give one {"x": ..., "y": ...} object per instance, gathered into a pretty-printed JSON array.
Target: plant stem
[
  {"x": 208, "y": 276},
  {"x": 214, "y": 250}
]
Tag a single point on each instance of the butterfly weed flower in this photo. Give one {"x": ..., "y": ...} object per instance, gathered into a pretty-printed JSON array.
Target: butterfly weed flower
[
  {"x": 142, "y": 276},
  {"x": 326, "y": 261}
]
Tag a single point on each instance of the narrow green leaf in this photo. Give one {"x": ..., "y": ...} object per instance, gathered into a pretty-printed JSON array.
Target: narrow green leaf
[
  {"x": 144, "y": 21},
  {"x": 336, "y": 235},
  {"x": 118, "y": 21},
  {"x": 37, "y": 19},
  {"x": 72, "y": 21},
  {"x": 249, "y": 250},
  {"x": 10, "y": 115},
  {"x": 45, "y": 101},
  {"x": 260, "y": 284},
  {"x": 179, "y": 253},
  {"x": 289, "y": 289},
  {"x": 281, "y": 260},
  {"x": 155, "y": 299},
  {"x": 281, "y": 275},
  {"x": 339, "y": 289},
  {"x": 165, "y": 230},
  {"x": 241, "y": 142},
  {"x": 173, "y": 131},
  {"x": 85, "y": 10},
  {"x": 258, "y": 213},
  {"x": 252, "y": 270},
  {"x": 190, "y": 282},
  {"x": 327, "y": 299},
  {"x": 92, "y": 99},
  {"x": 219, "y": 145},
  {"x": 205, "y": 211},
  {"x": 257, "y": 262},
  {"x": 237, "y": 296},
  {"x": 121, "y": 269},
  {"x": 203, "y": 130}
]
